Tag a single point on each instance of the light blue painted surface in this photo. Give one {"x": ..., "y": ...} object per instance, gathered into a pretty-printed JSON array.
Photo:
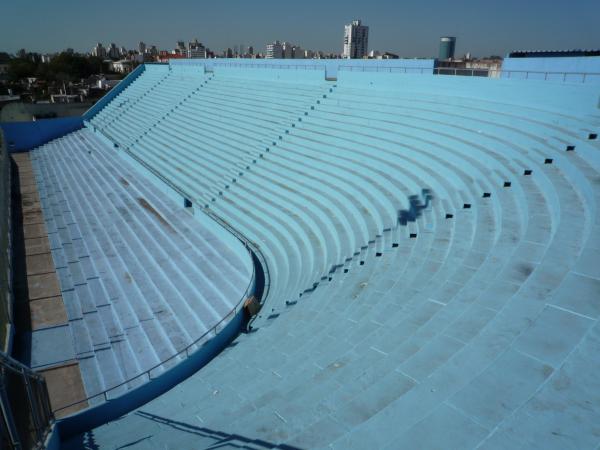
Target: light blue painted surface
[
  {"x": 553, "y": 69},
  {"x": 116, "y": 90},
  {"x": 329, "y": 66},
  {"x": 159, "y": 384},
  {"x": 141, "y": 278},
  {"x": 50, "y": 346},
  {"x": 481, "y": 331}
]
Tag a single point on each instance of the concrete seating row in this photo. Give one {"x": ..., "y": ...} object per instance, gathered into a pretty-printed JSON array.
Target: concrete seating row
[
  {"x": 140, "y": 277},
  {"x": 472, "y": 323}
]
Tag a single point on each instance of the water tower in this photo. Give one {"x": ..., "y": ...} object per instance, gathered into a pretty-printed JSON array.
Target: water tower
[{"x": 447, "y": 46}]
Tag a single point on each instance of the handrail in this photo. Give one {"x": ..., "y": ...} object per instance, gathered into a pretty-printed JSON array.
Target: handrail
[
  {"x": 390, "y": 69},
  {"x": 247, "y": 243},
  {"x": 474, "y": 71},
  {"x": 17, "y": 367},
  {"x": 18, "y": 431},
  {"x": 270, "y": 65}
]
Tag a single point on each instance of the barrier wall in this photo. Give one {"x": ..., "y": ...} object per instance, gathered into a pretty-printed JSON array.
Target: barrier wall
[
  {"x": 23, "y": 136},
  {"x": 5, "y": 252},
  {"x": 330, "y": 66},
  {"x": 577, "y": 97},
  {"x": 257, "y": 72},
  {"x": 582, "y": 69}
]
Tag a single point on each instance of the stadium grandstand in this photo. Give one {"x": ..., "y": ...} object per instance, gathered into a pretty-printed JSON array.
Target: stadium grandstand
[{"x": 347, "y": 254}]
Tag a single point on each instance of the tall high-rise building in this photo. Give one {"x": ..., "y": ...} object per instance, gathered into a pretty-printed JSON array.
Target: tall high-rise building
[
  {"x": 288, "y": 50},
  {"x": 274, "y": 50},
  {"x": 196, "y": 50},
  {"x": 142, "y": 48},
  {"x": 356, "y": 40},
  {"x": 113, "y": 51},
  {"x": 180, "y": 49},
  {"x": 447, "y": 47},
  {"x": 99, "y": 51},
  {"x": 299, "y": 52}
]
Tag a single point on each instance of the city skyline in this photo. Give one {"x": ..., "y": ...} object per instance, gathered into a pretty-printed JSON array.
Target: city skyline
[{"x": 409, "y": 30}]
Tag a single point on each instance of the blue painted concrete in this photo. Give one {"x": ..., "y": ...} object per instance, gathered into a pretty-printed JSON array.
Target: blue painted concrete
[
  {"x": 471, "y": 323},
  {"x": 150, "y": 389},
  {"x": 329, "y": 66},
  {"x": 141, "y": 278},
  {"x": 23, "y": 136},
  {"x": 51, "y": 346},
  {"x": 114, "y": 92}
]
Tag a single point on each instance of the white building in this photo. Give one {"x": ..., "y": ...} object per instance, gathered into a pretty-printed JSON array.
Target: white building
[
  {"x": 99, "y": 51},
  {"x": 66, "y": 98},
  {"x": 356, "y": 40},
  {"x": 492, "y": 66},
  {"x": 113, "y": 52},
  {"x": 105, "y": 84},
  {"x": 274, "y": 50},
  {"x": 196, "y": 50},
  {"x": 122, "y": 66}
]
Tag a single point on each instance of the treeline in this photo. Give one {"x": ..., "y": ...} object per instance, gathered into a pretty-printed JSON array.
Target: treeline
[{"x": 62, "y": 67}]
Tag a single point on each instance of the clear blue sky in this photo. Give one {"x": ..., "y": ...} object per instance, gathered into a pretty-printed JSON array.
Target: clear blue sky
[{"x": 407, "y": 27}]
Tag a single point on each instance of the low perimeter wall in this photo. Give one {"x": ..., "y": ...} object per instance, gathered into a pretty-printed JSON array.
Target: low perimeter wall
[
  {"x": 329, "y": 66},
  {"x": 5, "y": 251},
  {"x": 23, "y": 136}
]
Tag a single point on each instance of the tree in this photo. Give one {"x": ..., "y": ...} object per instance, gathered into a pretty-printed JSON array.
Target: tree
[{"x": 20, "y": 68}]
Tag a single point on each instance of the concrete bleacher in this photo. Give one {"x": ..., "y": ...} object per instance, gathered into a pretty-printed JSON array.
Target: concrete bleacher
[
  {"x": 472, "y": 324},
  {"x": 141, "y": 278}
]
